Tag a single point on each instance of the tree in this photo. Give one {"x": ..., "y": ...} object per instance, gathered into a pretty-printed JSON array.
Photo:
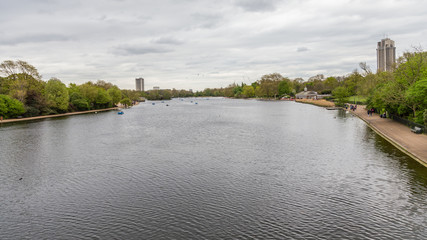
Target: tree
[
  {"x": 366, "y": 69},
  {"x": 105, "y": 85},
  {"x": 126, "y": 101},
  {"x": 103, "y": 100},
  {"x": 352, "y": 82},
  {"x": 248, "y": 91},
  {"x": 10, "y": 107},
  {"x": 284, "y": 87},
  {"x": 330, "y": 83},
  {"x": 57, "y": 95},
  {"x": 89, "y": 92},
  {"x": 12, "y": 68},
  {"x": 268, "y": 85},
  {"x": 416, "y": 98},
  {"x": 115, "y": 94},
  {"x": 340, "y": 93},
  {"x": 78, "y": 102}
]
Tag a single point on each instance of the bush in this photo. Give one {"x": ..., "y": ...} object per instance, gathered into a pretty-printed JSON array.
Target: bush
[
  {"x": 10, "y": 107},
  {"x": 80, "y": 104},
  {"x": 31, "y": 111}
]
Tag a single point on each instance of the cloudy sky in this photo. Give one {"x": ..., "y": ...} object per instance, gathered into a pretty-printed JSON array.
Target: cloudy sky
[{"x": 200, "y": 43}]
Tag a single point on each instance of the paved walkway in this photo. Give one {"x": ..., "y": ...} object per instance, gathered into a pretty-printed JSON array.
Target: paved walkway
[
  {"x": 415, "y": 145},
  {"x": 56, "y": 115}
]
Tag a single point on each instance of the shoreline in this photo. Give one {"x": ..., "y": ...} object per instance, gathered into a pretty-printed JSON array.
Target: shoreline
[
  {"x": 399, "y": 135},
  {"x": 56, "y": 115},
  {"x": 319, "y": 102}
]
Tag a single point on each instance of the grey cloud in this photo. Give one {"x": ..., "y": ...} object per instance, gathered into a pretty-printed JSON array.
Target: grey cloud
[
  {"x": 234, "y": 37},
  {"x": 126, "y": 50},
  {"x": 206, "y": 20},
  {"x": 257, "y": 5},
  {"x": 168, "y": 41},
  {"x": 36, "y": 38}
]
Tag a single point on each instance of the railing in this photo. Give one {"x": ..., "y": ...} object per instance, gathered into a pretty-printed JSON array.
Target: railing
[{"x": 408, "y": 123}]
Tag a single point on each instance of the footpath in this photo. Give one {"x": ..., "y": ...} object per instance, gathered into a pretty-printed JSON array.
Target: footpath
[
  {"x": 56, "y": 115},
  {"x": 415, "y": 145}
]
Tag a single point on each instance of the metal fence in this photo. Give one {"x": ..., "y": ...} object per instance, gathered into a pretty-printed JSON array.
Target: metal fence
[{"x": 408, "y": 123}]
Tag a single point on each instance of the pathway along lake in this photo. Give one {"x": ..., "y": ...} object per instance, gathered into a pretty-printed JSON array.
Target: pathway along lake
[{"x": 222, "y": 168}]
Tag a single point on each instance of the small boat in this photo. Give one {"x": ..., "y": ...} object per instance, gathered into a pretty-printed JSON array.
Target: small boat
[
  {"x": 153, "y": 103},
  {"x": 120, "y": 113}
]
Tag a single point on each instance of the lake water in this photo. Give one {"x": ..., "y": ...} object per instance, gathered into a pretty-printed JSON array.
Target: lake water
[{"x": 218, "y": 169}]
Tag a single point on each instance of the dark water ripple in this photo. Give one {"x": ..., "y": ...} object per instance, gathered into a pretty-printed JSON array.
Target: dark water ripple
[{"x": 222, "y": 169}]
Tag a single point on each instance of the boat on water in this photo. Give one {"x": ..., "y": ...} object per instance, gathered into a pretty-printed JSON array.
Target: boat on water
[{"x": 121, "y": 113}]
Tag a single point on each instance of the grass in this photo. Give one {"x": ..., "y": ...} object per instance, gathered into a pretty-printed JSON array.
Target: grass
[{"x": 358, "y": 99}]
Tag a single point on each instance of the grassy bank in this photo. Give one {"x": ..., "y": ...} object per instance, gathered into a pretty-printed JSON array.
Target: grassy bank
[{"x": 357, "y": 99}]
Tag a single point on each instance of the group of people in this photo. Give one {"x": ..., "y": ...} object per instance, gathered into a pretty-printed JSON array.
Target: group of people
[
  {"x": 370, "y": 111},
  {"x": 352, "y": 107}
]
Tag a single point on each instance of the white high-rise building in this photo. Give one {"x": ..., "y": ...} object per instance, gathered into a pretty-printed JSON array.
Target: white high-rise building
[
  {"x": 386, "y": 55},
  {"x": 139, "y": 82}
]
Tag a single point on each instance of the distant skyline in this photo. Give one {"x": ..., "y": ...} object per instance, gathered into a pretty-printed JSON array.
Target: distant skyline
[{"x": 200, "y": 44}]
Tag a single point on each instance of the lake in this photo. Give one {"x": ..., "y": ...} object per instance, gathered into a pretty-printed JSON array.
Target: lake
[{"x": 218, "y": 169}]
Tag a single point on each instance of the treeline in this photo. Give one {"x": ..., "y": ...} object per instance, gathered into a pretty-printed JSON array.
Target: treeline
[
  {"x": 23, "y": 93},
  {"x": 401, "y": 92}
]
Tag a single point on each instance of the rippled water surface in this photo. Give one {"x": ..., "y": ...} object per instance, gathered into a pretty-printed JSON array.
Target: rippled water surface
[{"x": 221, "y": 168}]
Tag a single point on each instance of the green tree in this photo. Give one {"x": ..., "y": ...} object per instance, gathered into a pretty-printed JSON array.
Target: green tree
[
  {"x": 284, "y": 87},
  {"x": 331, "y": 83},
  {"x": 78, "y": 102},
  {"x": 352, "y": 82},
  {"x": 89, "y": 92},
  {"x": 103, "y": 100},
  {"x": 115, "y": 94},
  {"x": 416, "y": 98},
  {"x": 57, "y": 95},
  {"x": 19, "y": 75},
  {"x": 248, "y": 91},
  {"x": 126, "y": 101},
  {"x": 268, "y": 85},
  {"x": 340, "y": 93},
  {"x": 9, "y": 107}
]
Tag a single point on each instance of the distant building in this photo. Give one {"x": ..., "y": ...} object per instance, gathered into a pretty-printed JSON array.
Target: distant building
[
  {"x": 310, "y": 95},
  {"x": 306, "y": 94},
  {"x": 156, "y": 88},
  {"x": 386, "y": 55},
  {"x": 139, "y": 82}
]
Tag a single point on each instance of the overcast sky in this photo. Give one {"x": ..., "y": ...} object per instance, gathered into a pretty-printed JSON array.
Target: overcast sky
[{"x": 194, "y": 44}]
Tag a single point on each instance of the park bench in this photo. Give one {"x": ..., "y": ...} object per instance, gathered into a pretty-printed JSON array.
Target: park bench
[{"x": 416, "y": 130}]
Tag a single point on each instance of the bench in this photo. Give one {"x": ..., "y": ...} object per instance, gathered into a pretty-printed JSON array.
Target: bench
[{"x": 416, "y": 130}]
